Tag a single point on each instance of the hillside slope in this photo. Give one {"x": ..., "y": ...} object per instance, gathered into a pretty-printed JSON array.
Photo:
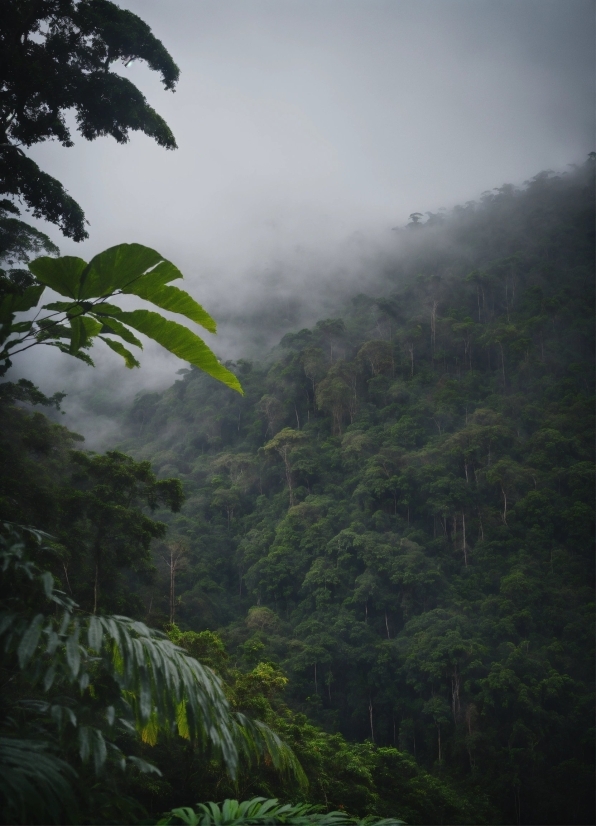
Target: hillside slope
[{"x": 399, "y": 510}]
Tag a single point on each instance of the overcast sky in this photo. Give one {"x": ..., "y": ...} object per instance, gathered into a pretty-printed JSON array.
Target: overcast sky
[{"x": 300, "y": 122}]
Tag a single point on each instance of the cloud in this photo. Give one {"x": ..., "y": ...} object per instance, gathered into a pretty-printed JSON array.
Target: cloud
[{"x": 306, "y": 125}]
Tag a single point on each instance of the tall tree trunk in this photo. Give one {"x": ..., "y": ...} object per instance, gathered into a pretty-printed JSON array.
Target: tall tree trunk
[
  {"x": 172, "y": 586},
  {"x": 455, "y": 687},
  {"x": 463, "y": 524},
  {"x": 96, "y": 586},
  {"x": 503, "y": 365}
]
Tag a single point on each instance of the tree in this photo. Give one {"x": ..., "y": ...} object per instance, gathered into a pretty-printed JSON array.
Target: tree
[
  {"x": 102, "y": 512},
  {"x": 18, "y": 242},
  {"x": 58, "y": 56},
  {"x": 334, "y": 394},
  {"x": 73, "y": 325},
  {"x": 283, "y": 444},
  {"x": 81, "y": 680},
  {"x": 176, "y": 560}
]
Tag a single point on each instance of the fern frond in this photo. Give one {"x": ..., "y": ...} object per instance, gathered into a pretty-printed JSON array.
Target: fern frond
[{"x": 35, "y": 785}]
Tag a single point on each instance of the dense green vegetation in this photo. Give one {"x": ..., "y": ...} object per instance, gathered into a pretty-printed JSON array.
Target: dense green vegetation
[
  {"x": 404, "y": 500},
  {"x": 385, "y": 548}
]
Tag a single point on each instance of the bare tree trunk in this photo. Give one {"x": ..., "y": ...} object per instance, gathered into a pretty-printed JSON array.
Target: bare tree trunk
[
  {"x": 502, "y": 364},
  {"x": 66, "y": 575},
  {"x": 463, "y": 524},
  {"x": 96, "y": 586},
  {"x": 455, "y": 702},
  {"x": 288, "y": 476},
  {"x": 316, "y": 683},
  {"x": 370, "y": 717},
  {"x": 387, "y": 626},
  {"x": 439, "y": 740},
  {"x": 433, "y": 329},
  {"x": 172, "y": 588}
]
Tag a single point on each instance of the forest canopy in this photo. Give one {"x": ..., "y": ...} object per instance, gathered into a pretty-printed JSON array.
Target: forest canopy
[{"x": 383, "y": 551}]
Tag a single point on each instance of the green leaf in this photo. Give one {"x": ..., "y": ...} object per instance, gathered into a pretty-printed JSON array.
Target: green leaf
[
  {"x": 117, "y": 268},
  {"x": 100, "y": 751},
  {"x": 15, "y": 303},
  {"x": 143, "y": 765},
  {"x": 73, "y": 652},
  {"x": 128, "y": 357},
  {"x": 174, "y": 300},
  {"x": 110, "y": 325},
  {"x": 78, "y": 335},
  {"x": 84, "y": 743},
  {"x": 21, "y": 327},
  {"x": 63, "y": 275},
  {"x": 48, "y": 583},
  {"x": 181, "y": 342},
  {"x": 94, "y": 634},
  {"x": 162, "y": 274},
  {"x": 35, "y": 785},
  {"x": 83, "y": 328},
  {"x": 64, "y": 349},
  {"x": 29, "y": 640}
]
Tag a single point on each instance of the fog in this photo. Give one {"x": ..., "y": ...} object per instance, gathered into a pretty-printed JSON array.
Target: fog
[{"x": 307, "y": 129}]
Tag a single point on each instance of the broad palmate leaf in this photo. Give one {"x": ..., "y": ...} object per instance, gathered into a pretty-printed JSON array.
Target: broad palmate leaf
[{"x": 126, "y": 269}]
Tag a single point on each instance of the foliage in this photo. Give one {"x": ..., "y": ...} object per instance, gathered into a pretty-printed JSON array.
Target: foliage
[
  {"x": 73, "y": 325},
  {"x": 19, "y": 242},
  {"x": 259, "y": 810},
  {"x": 389, "y": 537},
  {"x": 59, "y": 56},
  {"x": 91, "y": 679},
  {"x": 425, "y": 549}
]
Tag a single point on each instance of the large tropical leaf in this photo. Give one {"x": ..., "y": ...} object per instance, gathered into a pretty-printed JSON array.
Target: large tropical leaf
[
  {"x": 111, "y": 325},
  {"x": 128, "y": 357},
  {"x": 254, "y": 739},
  {"x": 174, "y": 300},
  {"x": 35, "y": 785},
  {"x": 260, "y": 811},
  {"x": 19, "y": 302},
  {"x": 181, "y": 342},
  {"x": 120, "y": 267},
  {"x": 63, "y": 275}
]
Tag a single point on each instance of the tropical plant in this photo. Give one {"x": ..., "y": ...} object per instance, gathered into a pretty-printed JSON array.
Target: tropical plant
[
  {"x": 82, "y": 682},
  {"x": 87, "y": 314},
  {"x": 260, "y": 810}
]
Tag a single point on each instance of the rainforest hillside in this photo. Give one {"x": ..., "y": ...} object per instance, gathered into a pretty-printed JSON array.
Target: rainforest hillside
[{"x": 385, "y": 547}]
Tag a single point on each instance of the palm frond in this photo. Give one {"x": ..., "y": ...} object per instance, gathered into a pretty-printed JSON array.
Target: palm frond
[
  {"x": 260, "y": 811},
  {"x": 257, "y": 741},
  {"x": 35, "y": 785}
]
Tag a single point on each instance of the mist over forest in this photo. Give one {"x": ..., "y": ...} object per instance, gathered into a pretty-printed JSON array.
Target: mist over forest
[{"x": 318, "y": 549}]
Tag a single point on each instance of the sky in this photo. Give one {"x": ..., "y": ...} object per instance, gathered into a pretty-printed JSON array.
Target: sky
[{"x": 307, "y": 129}]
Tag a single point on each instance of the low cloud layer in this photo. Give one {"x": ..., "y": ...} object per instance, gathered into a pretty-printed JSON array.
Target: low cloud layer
[{"x": 306, "y": 130}]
